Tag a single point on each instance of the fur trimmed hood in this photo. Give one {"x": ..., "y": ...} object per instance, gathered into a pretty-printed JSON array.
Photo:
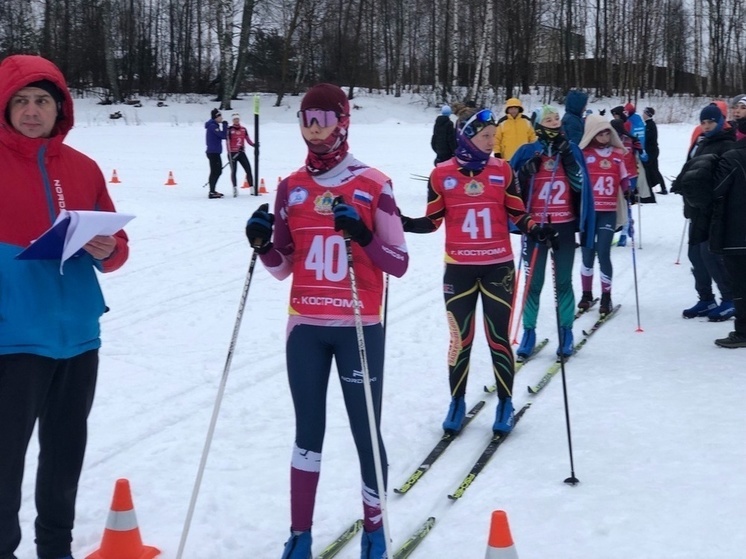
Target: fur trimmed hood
[{"x": 595, "y": 124}]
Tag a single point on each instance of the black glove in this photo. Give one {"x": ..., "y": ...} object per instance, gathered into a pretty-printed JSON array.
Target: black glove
[
  {"x": 406, "y": 223},
  {"x": 544, "y": 235},
  {"x": 348, "y": 220},
  {"x": 631, "y": 196},
  {"x": 259, "y": 229},
  {"x": 531, "y": 167},
  {"x": 602, "y": 112},
  {"x": 561, "y": 144}
]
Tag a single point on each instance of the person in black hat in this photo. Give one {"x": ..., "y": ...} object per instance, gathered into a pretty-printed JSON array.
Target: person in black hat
[
  {"x": 215, "y": 133},
  {"x": 50, "y": 325}
]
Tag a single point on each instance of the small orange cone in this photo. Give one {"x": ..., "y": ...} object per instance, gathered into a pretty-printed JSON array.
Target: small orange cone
[
  {"x": 114, "y": 178},
  {"x": 245, "y": 184},
  {"x": 262, "y": 188},
  {"x": 170, "y": 181},
  {"x": 500, "y": 543},
  {"x": 122, "y": 536}
]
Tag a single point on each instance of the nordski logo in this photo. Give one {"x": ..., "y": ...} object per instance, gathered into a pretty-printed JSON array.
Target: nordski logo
[{"x": 60, "y": 194}]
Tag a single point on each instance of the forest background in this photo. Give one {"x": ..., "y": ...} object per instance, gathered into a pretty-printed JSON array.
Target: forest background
[{"x": 445, "y": 50}]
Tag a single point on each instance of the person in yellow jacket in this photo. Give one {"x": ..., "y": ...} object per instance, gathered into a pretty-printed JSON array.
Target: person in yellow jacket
[{"x": 513, "y": 130}]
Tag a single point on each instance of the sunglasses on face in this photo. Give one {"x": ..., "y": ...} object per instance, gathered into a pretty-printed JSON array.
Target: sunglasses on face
[
  {"x": 478, "y": 121},
  {"x": 322, "y": 118}
]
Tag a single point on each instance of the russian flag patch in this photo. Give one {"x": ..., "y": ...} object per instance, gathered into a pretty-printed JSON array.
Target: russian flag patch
[
  {"x": 497, "y": 180},
  {"x": 362, "y": 196}
]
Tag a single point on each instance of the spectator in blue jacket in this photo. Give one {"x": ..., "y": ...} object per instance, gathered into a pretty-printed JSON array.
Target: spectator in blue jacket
[
  {"x": 572, "y": 121},
  {"x": 216, "y": 130}
]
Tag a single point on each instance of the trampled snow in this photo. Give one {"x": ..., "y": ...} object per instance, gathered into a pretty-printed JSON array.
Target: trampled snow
[{"x": 657, "y": 416}]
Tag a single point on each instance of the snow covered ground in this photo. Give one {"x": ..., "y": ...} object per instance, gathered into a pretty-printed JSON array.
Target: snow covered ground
[{"x": 657, "y": 416}]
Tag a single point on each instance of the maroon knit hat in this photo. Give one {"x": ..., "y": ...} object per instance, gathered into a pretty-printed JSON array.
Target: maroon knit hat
[{"x": 328, "y": 97}]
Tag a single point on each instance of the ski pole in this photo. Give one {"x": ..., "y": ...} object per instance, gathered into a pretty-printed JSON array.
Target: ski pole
[
  {"x": 681, "y": 244},
  {"x": 634, "y": 265},
  {"x": 639, "y": 224},
  {"x": 366, "y": 388},
  {"x": 218, "y": 401},
  {"x": 572, "y": 480},
  {"x": 526, "y": 287}
]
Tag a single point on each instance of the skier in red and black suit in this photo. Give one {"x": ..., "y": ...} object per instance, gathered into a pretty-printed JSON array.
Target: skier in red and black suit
[
  {"x": 309, "y": 244},
  {"x": 475, "y": 195},
  {"x": 238, "y": 136}
]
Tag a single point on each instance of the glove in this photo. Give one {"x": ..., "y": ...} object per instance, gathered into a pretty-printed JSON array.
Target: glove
[
  {"x": 644, "y": 157},
  {"x": 259, "y": 229},
  {"x": 531, "y": 167},
  {"x": 631, "y": 229},
  {"x": 602, "y": 112},
  {"x": 544, "y": 235},
  {"x": 406, "y": 223},
  {"x": 348, "y": 220},
  {"x": 561, "y": 144},
  {"x": 631, "y": 196}
]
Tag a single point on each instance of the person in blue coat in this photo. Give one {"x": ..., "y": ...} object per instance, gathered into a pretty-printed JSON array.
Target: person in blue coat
[
  {"x": 216, "y": 130},
  {"x": 573, "y": 123}
]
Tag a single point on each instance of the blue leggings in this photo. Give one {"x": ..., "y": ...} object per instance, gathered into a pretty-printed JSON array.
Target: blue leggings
[{"x": 309, "y": 352}]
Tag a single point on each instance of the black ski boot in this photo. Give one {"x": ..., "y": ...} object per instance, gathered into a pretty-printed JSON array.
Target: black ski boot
[
  {"x": 605, "y": 307},
  {"x": 585, "y": 301}
]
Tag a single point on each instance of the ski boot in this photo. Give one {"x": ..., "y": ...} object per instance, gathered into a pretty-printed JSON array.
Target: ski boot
[
  {"x": 703, "y": 307},
  {"x": 373, "y": 545},
  {"x": 528, "y": 342},
  {"x": 566, "y": 347},
  {"x": 586, "y": 301},
  {"x": 605, "y": 306},
  {"x": 504, "y": 415},
  {"x": 722, "y": 312},
  {"x": 454, "y": 421},
  {"x": 298, "y": 546}
]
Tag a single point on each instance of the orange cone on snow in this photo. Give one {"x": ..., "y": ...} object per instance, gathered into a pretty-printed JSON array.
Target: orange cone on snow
[
  {"x": 245, "y": 184},
  {"x": 114, "y": 178},
  {"x": 500, "y": 543},
  {"x": 122, "y": 536},
  {"x": 170, "y": 181},
  {"x": 262, "y": 188}
]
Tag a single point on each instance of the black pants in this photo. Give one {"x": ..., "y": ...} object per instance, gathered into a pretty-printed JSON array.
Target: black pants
[
  {"x": 462, "y": 286},
  {"x": 216, "y": 169},
  {"x": 236, "y": 158},
  {"x": 736, "y": 266},
  {"x": 59, "y": 394}
]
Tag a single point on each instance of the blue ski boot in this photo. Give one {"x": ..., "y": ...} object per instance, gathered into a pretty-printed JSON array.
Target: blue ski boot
[
  {"x": 528, "y": 342},
  {"x": 373, "y": 545},
  {"x": 566, "y": 347},
  {"x": 503, "y": 417},
  {"x": 298, "y": 546},
  {"x": 702, "y": 308},
  {"x": 723, "y": 311},
  {"x": 455, "y": 418}
]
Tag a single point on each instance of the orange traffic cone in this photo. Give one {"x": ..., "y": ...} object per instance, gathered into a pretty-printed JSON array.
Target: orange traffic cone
[
  {"x": 122, "y": 536},
  {"x": 500, "y": 543},
  {"x": 114, "y": 178},
  {"x": 245, "y": 184},
  {"x": 170, "y": 181},
  {"x": 262, "y": 188}
]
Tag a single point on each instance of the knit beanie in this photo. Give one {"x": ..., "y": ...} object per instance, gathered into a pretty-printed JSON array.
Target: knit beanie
[
  {"x": 445, "y": 110},
  {"x": 629, "y": 108},
  {"x": 215, "y": 113},
  {"x": 650, "y": 111},
  {"x": 328, "y": 97},
  {"x": 53, "y": 91},
  {"x": 544, "y": 112},
  {"x": 618, "y": 112},
  {"x": 711, "y": 112}
]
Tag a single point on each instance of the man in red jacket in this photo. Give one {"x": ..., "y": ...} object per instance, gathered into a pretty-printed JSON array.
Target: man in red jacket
[{"x": 49, "y": 322}]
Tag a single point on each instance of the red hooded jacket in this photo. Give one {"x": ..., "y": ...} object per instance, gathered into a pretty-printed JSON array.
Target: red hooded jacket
[{"x": 41, "y": 311}]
